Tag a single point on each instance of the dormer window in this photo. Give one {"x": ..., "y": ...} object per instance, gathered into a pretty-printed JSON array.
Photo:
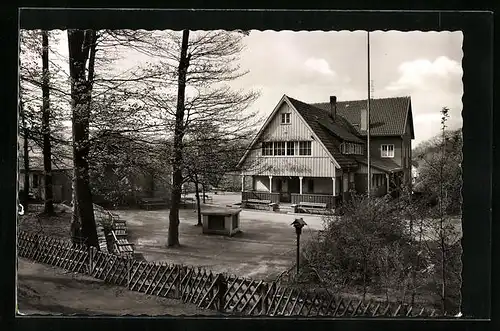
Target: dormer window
[
  {"x": 387, "y": 150},
  {"x": 351, "y": 148},
  {"x": 285, "y": 118}
]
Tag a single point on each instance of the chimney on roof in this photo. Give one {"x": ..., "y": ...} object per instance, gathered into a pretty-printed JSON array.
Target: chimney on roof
[
  {"x": 364, "y": 117},
  {"x": 333, "y": 107}
]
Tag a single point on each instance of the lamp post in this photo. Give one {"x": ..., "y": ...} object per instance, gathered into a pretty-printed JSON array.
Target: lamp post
[{"x": 298, "y": 225}]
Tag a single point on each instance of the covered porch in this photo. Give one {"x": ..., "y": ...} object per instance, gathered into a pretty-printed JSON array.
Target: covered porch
[
  {"x": 385, "y": 177},
  {"x": 292, "y": 189}
]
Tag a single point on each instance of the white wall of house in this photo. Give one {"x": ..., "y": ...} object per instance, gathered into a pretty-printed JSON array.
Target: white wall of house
[
  {"x": 318, "y": 164},
  {"x": 261, "y": 183}
]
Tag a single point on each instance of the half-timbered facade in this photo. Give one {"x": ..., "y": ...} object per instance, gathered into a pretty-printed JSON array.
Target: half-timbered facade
[{"x": 317, "y": 152}]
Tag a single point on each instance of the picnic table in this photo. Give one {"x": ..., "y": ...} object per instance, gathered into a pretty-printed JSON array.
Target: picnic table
[{"x": 148, "y": 203}]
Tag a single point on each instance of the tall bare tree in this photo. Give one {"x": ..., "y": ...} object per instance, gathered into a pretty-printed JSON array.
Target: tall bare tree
[
  {"x": 179, "y": 132},
  {"x": 206, "y": 62},
  {"x": 41, "y": 120},
  {"x": 82, "y": 49},
  {"x": 26, "y": 163},
  {"x": 47, "y": 158}
]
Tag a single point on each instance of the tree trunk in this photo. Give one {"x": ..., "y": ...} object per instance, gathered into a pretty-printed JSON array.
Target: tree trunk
[
  {"x": 76, "y": 227},
  {"x": 203, "y": 192},
  {"x": 441, "y": 222},
  {"x": 47, "y": 153},
  {"x": 80, "y": 43},
  {"x": 26, "y": 160},
  {"x": 26, "y": 192},
  {"x": 198, "y": 204},
  {"x": 173, "y": 226},
  {"x": 443, "y": 271}
]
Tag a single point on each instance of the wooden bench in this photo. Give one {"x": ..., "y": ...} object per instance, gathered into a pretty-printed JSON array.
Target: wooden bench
[
  {"x": 121, "y": 245},
  {"x": 260, "y": 204},
  {"x": 120, "y": 228},
  {"x": 147, "y": 203},
  {"x": 188, "y": 201},
  {"x": 310, "y": 207}
]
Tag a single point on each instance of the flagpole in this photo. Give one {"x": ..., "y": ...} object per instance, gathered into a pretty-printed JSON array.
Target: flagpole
[{"x": 369, "y": 180}]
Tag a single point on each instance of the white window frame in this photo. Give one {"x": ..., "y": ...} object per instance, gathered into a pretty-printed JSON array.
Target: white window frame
[
  {"x": 388, "y": 152},
  {"x": 310, "y": 148},
  {"x": 286, "y": 118},
  {"x": 267, "y": 148},
  {"x": 270, "y": 148},
  {"x": 351, "y": 148},
  {"x": 277, "y": 148},
  {"x": 294, "y": 149}
]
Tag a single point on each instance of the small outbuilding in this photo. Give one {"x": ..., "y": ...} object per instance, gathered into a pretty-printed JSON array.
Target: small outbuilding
[{"x": 222, "y": 221}]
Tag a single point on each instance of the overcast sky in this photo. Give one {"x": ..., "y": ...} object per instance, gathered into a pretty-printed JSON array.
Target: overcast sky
[{"x": 311, "y": 66}]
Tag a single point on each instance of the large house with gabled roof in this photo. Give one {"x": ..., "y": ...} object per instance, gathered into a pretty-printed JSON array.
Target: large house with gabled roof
[{"x": 318, "y": 152}]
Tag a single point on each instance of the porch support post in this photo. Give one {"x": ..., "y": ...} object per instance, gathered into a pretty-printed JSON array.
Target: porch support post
[
  {"x": 387, "y": 182},
  {"x": 242, "y": 183},
  {"x": 270, "y": 184},
  {"x": 300, "y": 184},
  {"x": 333, "y": 181}
]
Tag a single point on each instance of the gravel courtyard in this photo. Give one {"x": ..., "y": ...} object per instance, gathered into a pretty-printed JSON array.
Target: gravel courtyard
[{"x": 264, "y": 249}]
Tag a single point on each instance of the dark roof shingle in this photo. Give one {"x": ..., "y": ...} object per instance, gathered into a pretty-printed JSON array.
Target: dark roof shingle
[
  {"x": 324, "y": 128},
  {"x": 386, "y": 165},
  {"x": 387, "y": 115}
]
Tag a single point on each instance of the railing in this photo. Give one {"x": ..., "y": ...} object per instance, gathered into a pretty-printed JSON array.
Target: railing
[
  {"x": 207, "y": 290},
  {"x": 260, "y": 195},
  {"x": 330, "y": 200}
]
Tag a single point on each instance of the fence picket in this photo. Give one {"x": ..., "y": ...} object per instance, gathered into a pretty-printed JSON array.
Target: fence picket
[
  {"x": 251, "y": 296},
  {"x": 143, "y": 267},
  {"x": 154, "y": 278},
  {"x": 357, "y": 307},
  {"x": 135, "y": 266},
  {"x": 217, "y": 294},
  {"x": 172, "y": 270},
  {"x": 209, "y": 291},
  {"x": 397, "y": 311},
  {"x": 304, "y": 301},
  {"x": 297, "y": 298},
  {"x": 366, "y": 308},
  {"x": 149, "y": 266},
  {"x": 195, "y": 281},
  {"x": 207, "y": 279},
  {"x": 285, "y": 306},
  {"x": 234, "y": 294}
]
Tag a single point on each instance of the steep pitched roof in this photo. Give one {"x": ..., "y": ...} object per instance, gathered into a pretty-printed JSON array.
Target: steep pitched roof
[
  {"x": 386, "y": 165},
  {"x": 388, "y": 118},
  {"x": 387, "y": 115},
  {"x": 328, "y": 131}
]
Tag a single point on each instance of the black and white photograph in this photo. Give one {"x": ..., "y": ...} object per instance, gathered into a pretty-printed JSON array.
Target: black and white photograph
[{"x": 240, "y": 173}]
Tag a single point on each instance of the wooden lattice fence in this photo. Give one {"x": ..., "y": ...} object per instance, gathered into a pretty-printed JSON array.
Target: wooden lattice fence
[
  {"x": 53, "y": 251},
  {"x": 228, "y": 294}
]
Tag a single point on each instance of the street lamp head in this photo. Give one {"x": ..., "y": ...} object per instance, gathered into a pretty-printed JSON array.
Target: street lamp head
[{"x": 298, "y": 224}]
